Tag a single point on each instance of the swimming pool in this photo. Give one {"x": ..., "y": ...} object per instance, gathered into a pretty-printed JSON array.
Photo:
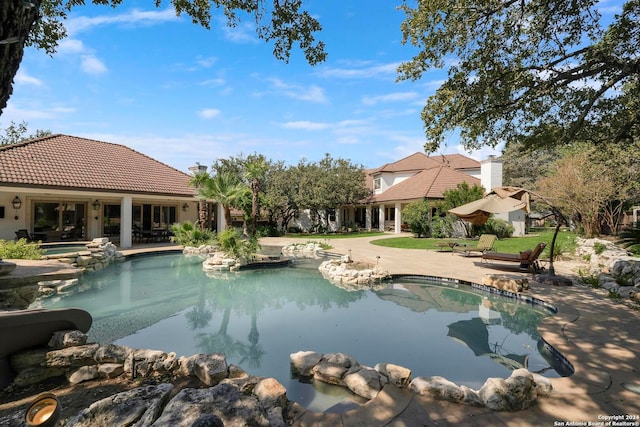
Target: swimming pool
[{"x": 258, "y": 318}]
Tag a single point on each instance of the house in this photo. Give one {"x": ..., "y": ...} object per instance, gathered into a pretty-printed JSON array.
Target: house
[
  {"x": 63, "y": 187},
  {"x": 416, "y": 177}
]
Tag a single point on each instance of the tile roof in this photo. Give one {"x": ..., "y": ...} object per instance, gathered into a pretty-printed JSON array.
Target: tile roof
[
  {"x": 429, "y": 183},
  {"x": 420, "y": 161},
  {"x": 69, "y": 162}
]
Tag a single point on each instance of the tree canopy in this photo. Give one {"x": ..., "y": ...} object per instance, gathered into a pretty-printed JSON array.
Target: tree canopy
[
  {"x": 40, "y": 23},
  {"x": 550, "y": 72}
]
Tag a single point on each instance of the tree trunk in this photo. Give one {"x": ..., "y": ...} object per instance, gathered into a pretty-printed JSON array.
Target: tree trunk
[{"x": 16, "y": 20}]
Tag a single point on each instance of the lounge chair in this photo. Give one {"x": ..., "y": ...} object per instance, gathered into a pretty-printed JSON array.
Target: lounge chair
[
  {"x": 527, "y": 259},
  {"x": 485, "y": 243}
]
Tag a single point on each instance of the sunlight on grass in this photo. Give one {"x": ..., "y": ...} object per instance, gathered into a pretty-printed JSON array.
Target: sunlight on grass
[
  {"x": 565, "y": 242},
  {"x": 330, "y": 236}
]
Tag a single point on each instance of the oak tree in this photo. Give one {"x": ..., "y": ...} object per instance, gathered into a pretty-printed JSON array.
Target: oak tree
[{"x": 547, "y": 71}]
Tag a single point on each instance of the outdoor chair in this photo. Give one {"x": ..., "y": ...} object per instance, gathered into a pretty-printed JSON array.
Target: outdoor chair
[
  {"x": 23, "y": 234},
  {"x": 484, "y": 244},
  {"x": 527, "y": 259}
]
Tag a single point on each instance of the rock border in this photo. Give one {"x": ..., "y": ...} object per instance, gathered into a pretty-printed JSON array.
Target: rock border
[{"x": 519, "y": 391}]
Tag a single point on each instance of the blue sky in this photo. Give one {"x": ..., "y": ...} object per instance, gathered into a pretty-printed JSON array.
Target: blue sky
[{"x": 142, "y": 77}]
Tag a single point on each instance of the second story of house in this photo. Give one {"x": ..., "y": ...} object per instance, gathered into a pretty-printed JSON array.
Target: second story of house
[{"x": 420, "y": 176}]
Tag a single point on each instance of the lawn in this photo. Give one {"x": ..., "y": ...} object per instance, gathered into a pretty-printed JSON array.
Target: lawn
[
  {"x": 565, "y": 243},
  {"x": 330, "y": 236}
]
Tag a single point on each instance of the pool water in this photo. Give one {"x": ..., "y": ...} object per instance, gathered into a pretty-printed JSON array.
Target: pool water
[
  {"x": 57, "y": 250},
  {"x": 258, "y": 318}
]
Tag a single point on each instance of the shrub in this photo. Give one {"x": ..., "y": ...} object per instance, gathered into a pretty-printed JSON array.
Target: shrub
[
  {"x": 20, "y": 249},
  {"x": 499, "y": 227},
  {"x": 416, "y": 215},
  {"x": 442, "y": 227},
  {"x": 599, "y": 248},
  {"x": 589, "y": 279},
  {"x": 234, "y": 244},
  {"x": 189, "y": 234}
]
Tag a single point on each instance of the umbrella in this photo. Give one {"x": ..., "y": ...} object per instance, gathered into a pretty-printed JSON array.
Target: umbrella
[
  {"x": 478, "y": 211},
  {"x": 524, "y": 195}
]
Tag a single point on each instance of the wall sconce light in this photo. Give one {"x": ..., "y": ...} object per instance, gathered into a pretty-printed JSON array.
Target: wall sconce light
[
  {"x": 16, "y": 202},
  {"x": 44, "y": 411},
  {"x": 185, "y": 207},
  {"x": 96, "y": 205}
]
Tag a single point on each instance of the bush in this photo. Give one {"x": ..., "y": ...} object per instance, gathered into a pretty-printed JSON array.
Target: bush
[
  {"x": 20, "y": 249},
  {"x": 599, "y": 248},
  {"x": 416, "y": 215},
  {"x": 234, "y": 244},
  {"x": 442, "y": 227},
  {"x": 499, "y": 227},
  {"x": 189, "y": 234}
]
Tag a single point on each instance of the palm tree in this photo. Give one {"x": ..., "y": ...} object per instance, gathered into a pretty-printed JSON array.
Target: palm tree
[
  {"x": 224, "y": 188},
  {"x": 200, "y": 181},
  {"x": 255, "y": 170}
]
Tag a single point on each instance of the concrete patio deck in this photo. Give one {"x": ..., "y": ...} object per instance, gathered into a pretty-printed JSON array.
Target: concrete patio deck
[{"x": 600, "y": 337}]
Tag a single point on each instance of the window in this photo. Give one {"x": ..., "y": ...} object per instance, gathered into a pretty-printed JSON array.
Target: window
[
  {"x": 390, "y": 214},
  {"x": 377, "y": 183},
  {"x": 60, "y": 220}
]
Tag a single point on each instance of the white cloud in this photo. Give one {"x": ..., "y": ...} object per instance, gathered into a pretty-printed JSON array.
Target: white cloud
[
  {"x": 213, "y": 82},
  {"x": 206, "y": 62},
  {"x": 133, "y": 18},
  {"x": 359, "y": 71},
  {"x": 92, "y": 65},
  {"x": 391, "y": 97},
  {"x": 70, "y": 46},
  {"x": 209, "y": 113},
  {"x": 305, "y": 125},
  {"x": 311, "y": 93},
  {"x": 243, "y": 32},
  {"x": 23, "y": 78}
]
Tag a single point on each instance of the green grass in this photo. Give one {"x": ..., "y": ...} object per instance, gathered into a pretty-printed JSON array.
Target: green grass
[
  {"x": 309, "y": 236},
  {"x": 565, "y": 243}
]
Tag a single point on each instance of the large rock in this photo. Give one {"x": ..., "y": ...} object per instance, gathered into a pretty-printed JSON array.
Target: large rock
[
  {"x": 302, "y": 362},
  {"x": 365, "y": 382},
  {"x": 438, "y": 387},
  {"x": 72, "y": 356},
  {"x": 111, "y": 353},
  {"x": 140, "y": 407},
  {"x": 506, "y": 282},
  {"x": 209, "y": 368},
  {"x": 224, "y": 401},
  {"x": 142, "y": 363},
  {"x": 333, "y": 367},
  {"x": 397, "y": 375},
  {"x": 270, "y": 393},
  {"x": 66, "y": 339}
]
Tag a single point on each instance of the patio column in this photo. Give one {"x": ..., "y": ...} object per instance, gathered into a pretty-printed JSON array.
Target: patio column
[
  {"x": 126, "y": 221},
  {"x": 381, "y": 226},
  {"x": 221, "y": 223},
  {"x": 368, "y": 217},
  {"x": 398, "y": 222}
]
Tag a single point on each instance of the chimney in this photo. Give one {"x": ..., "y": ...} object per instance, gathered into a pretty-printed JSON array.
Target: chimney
[
  {"x": 491, "y": 173},
  {"x": 198, "y": 168}
]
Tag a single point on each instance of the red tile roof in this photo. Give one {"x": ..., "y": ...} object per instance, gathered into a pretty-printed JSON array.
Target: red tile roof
[
  {"x": 69, "y": 162},
  {"x": 432, "y": 176},
  {"x": 430, "y": 183}
]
